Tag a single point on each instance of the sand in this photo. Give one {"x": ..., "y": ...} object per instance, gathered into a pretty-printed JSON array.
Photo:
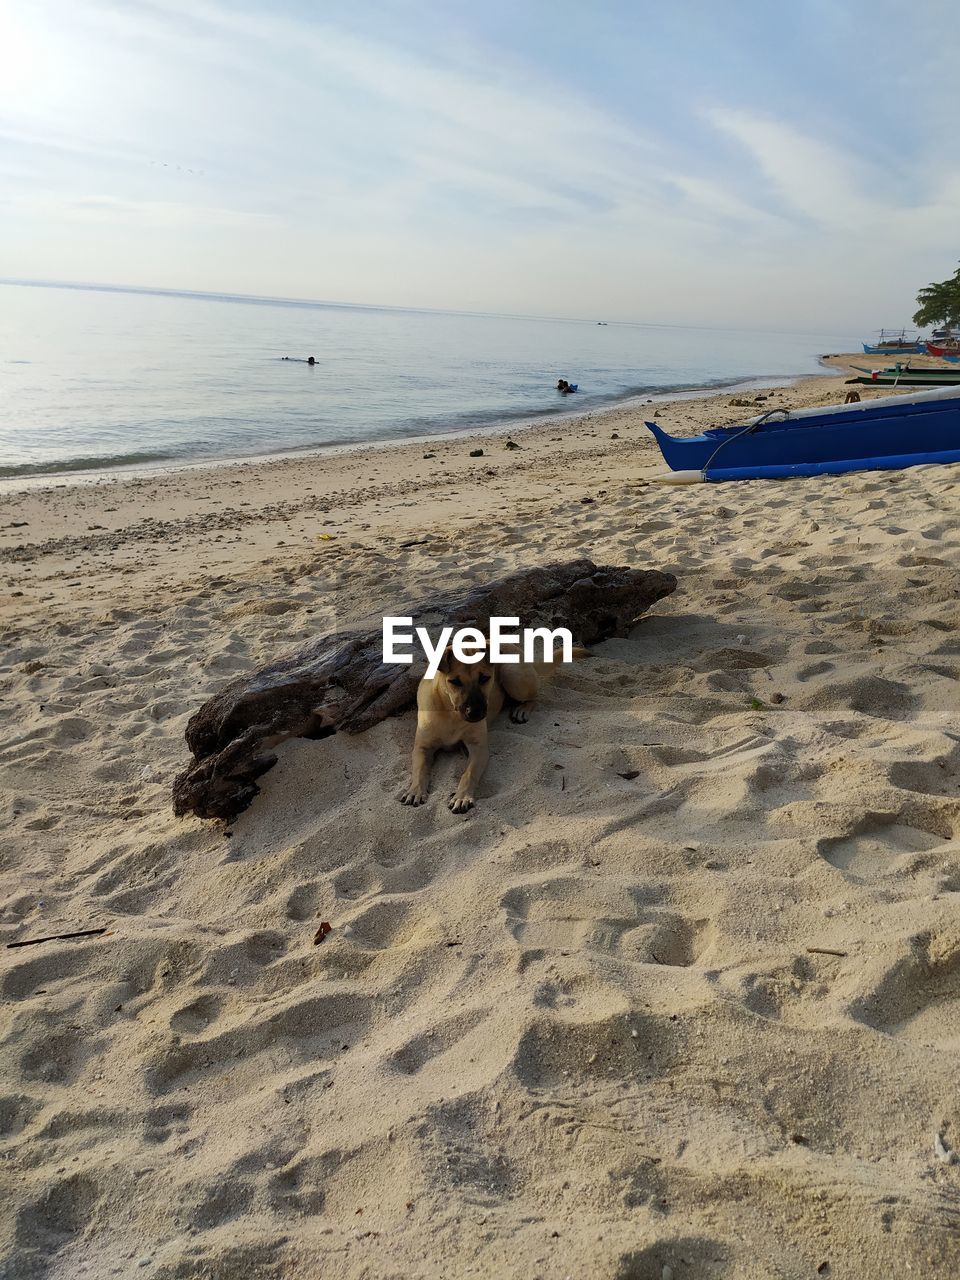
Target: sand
[{"x": 680, "y": 997}]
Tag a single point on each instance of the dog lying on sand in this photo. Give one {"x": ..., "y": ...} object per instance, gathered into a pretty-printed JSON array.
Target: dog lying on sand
[{"x": 457, "y": 707}]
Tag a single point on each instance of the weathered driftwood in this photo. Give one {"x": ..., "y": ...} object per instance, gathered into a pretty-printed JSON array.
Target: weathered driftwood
[{"x": 340, "y": 682}]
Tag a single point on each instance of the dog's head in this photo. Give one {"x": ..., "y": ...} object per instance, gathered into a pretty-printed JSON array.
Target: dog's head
[{"x": 466, "y": 684}]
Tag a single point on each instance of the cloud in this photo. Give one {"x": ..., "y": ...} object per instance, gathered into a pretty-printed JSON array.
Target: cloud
[
  {"x": 410, "y": 157},
  {"x": 810, "y": 177},
  {"x": 271, "y": 107},
  {"x": 159, "y": 212},
  {"x": 838, "y": 191}
]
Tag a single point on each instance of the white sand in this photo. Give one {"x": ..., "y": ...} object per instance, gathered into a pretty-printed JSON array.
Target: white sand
[{"x": 595, "y": 1027}]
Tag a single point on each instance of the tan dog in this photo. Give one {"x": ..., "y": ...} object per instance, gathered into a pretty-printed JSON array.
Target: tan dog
[{"x": 457, "y": 706}]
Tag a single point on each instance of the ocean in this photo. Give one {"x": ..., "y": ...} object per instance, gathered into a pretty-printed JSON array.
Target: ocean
[{"x": 97, "y": 379}]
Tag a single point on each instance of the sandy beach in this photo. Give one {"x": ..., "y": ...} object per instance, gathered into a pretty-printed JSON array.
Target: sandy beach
[{"x": 679, "y": 999}]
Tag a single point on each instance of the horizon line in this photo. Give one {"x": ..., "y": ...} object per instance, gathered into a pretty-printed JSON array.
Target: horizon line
[{"x": 208, "y": 295}]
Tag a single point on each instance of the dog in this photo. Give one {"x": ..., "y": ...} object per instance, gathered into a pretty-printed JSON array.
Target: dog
[
  {"x": 457, "y": 707},
  {"x": 852, "y": 397}
]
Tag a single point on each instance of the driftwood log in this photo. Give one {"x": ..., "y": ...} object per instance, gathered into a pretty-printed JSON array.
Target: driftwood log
[{"x": 340, "y": 682}]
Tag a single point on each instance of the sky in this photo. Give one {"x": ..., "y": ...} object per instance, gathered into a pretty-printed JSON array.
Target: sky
[{"x": 750, "y": 163}]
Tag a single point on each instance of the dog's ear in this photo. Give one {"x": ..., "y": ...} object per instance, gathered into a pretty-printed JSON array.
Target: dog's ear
[{"x": 446, "y": 660}]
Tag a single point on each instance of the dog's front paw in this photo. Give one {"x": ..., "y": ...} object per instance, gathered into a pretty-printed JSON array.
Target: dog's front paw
[
  {"x": 413, "y": 796},
  {"x": 460, "y": 804},
  {"x": 519, "y": 715}
]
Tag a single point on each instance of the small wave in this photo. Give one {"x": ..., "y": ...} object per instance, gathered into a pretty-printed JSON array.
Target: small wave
[
  {"x": 582, "y": 402},
  {"x": 414, "y": 427},
  {"x": 103, "y": 462}
]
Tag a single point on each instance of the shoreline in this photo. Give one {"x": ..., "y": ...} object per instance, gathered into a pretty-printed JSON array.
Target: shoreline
[
  {"x": 255, "y": 517},
  {"x": 137, "y": 470}
]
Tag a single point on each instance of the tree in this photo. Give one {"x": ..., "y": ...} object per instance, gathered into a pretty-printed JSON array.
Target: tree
[{"x": 939, "y": 303}]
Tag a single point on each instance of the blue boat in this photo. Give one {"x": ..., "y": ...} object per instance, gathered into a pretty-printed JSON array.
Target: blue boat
[
  {"x": 903, "y": 348},
  {"x": 874, "y": 435},
  {"x": 892, "y": 344}
]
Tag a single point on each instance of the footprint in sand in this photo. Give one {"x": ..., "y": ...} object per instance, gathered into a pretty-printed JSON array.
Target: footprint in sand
[
  {"x": 919, "y": 998},
  {"x": 299, "y": 1188},
  {"x": 815, "y": 669},
  {"x": 54, "y": 1058},
  {"x": 389, "y": 924},
  {"x": 570, "y": 913},
  {"x": 163, "y": 1122},
  {"x": 414, "y": 874},
  {"x": 621, "y": 1046},
  {"x": 433, "y": 1043},
  {"x": 16, "y": 1112},
  {"x": 730, "y": 659},
  {"x": 791, "y": 993},
  {"x": 820, "y": 646},
  {"x": 872, "y": 851},
  {"x": 227, "y": 1200},
  {"x": 304, "y": 902},
  {"x": 198, "y": 1015},
  {"x": 937, "y": 777},
  {"x": 870, "y": 695},
  {"x": 357, "y": 880},
  {"x": 236, "y": 1060},
  {"x": 675, "y": 940},
  {"x": 691, "y": 1254},
  {"x": 62, "y": 1211}
]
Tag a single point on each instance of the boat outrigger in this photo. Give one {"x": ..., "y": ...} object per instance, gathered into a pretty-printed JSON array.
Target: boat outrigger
[{"x": 874, "y": 435}]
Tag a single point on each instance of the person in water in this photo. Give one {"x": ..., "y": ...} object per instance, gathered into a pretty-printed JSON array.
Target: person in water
[
  {"x": 300, "y": 359},
  {"x": 565, "y": 388}
]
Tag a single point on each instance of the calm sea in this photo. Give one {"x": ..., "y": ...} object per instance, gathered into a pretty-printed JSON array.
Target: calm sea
[{"x": 93, "y": 380}]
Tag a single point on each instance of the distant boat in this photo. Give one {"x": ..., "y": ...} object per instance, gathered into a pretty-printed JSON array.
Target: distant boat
[
  {"x": 907, "y": 349},
  {"x": 891, "y": 343},
  {"x": 947, "y": 347},
  {"x": 874, "y": 435},
  {"x": 902, "y": 375}
]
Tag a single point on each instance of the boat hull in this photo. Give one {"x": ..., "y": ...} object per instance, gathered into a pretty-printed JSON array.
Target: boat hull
[
  {"x": 910, "y": 378},
  {"x": 835, "y": 467},
  {"x": 945, "y": 351},
  {"x": 908, "y": 349},
  {"x": 867, "y": 437}
]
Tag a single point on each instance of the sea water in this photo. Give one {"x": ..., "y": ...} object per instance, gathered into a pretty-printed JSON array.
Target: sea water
[{"x": 96, "y": 379}]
